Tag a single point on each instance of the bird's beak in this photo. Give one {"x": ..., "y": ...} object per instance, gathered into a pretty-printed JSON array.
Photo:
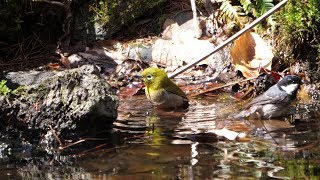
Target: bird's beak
[{"x": 138, "y": 76}]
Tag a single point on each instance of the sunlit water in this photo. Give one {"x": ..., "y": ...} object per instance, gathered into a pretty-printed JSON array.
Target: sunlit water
[{"x": 148, "y": 143}]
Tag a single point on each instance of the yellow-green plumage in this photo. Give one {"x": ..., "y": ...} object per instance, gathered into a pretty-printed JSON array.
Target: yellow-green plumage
[{"x": 161, "y": 91}]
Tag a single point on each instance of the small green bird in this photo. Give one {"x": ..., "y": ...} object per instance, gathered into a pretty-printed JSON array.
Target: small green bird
[{"x": 161, "y": 91}]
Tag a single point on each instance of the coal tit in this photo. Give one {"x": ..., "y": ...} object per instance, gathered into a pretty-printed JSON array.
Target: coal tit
[{"x": 275, "y": 101}]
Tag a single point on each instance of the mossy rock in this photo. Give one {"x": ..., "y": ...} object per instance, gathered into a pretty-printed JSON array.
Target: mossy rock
[{"x": 71, "y": 102}]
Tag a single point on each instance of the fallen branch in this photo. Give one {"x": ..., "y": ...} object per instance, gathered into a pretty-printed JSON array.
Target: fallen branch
[
  {"x": 89, "y": 150},
  {"x": 51, "y": 2},
  {"x": 55, "y": 135},
  {"x": 28, "y": 52},
  {"x": 222, "y": 86},
  {"x": 80, "y": 141}
]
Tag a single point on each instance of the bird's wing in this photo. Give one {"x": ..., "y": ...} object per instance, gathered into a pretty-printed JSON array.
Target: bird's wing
[
  {"x": 173, "y": 88},
  {"x": 269, "y": 97}
]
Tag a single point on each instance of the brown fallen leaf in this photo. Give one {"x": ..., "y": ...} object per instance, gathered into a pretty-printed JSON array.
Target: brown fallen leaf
[
  {"x": 65, "y": 61},
  {"x": 53, "y": 66},
  {"x": 131, "y": 89},
  {"x": 303, "y": 94},
  {"x": 250, "y": 53}
]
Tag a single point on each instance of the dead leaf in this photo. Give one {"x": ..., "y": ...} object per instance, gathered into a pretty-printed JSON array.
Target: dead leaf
[
  {"x": 231, "y": 135},
  {"x": 276, "y": 75},
  {"x": 53, "y": 66},
  {"x": 175, "y": 53},
  {"x": 109, "y": 43},
  {"x": 65, "y": 61},
  {"x": 198, "y": 88},
  {"x": 271, "y": 124},
  {"x": 131, "y": 89},
  {"x": 238, "y": 95},
  {"x": 250, "y": 53},
  {"x": 303, "y": 94},
  {"x": 169, "y": 27}
]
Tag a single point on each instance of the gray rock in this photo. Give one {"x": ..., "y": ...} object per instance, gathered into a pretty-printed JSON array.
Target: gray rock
[{"x": 71, "y": 102}]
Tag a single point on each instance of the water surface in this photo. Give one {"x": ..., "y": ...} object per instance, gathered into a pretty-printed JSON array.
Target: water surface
[{"x": 148, "y": 143}]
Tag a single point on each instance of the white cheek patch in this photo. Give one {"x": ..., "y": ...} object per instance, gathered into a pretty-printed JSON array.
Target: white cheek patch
[{"x": 290, "y": 88}]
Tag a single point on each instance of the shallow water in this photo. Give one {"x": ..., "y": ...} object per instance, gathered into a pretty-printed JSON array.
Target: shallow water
[{"x": 148, "y": 143}]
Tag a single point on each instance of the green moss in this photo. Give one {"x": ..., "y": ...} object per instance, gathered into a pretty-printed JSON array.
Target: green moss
[
  {"x": 19, "y": 91},
  {"x": 299, "y": 31},
  {"x": 4, "y": 90},
  {"x": 121, "y": 12}
]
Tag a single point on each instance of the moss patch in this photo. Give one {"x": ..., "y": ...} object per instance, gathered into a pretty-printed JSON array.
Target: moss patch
[{"x": 299, "y": 33}]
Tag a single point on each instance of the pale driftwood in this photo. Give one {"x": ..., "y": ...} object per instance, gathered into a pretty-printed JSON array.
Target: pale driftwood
[
  {"x": 197, "y": 30},
  {"x": 170, "y": 53}
]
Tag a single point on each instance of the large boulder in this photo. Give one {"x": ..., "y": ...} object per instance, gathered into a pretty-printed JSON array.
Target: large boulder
[{"x": 70, "y": 102}]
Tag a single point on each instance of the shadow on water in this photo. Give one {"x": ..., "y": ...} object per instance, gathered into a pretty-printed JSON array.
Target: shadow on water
[{"x": 148, "y": 143}]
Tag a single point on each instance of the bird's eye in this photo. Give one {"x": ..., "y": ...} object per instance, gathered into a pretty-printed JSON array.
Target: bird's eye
[{"x": 149, "y": 77}]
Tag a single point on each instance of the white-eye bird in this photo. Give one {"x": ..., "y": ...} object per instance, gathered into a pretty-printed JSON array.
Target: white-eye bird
[{"x": 161, "y": 91}]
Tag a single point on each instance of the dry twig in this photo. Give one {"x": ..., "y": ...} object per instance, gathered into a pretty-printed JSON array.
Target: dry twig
[{"x": 222, "y": 86}]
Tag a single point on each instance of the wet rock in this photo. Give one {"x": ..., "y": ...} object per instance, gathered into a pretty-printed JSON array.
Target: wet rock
[
  {"x": 94, "y": 56},
  {"x": 71, "y": 102}
]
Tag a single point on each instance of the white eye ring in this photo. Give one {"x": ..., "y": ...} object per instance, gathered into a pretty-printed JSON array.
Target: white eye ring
[{"x": 149, "y": 77}]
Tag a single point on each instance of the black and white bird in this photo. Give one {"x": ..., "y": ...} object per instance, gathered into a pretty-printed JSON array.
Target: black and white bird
[{"x": 275, "y": 102}]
